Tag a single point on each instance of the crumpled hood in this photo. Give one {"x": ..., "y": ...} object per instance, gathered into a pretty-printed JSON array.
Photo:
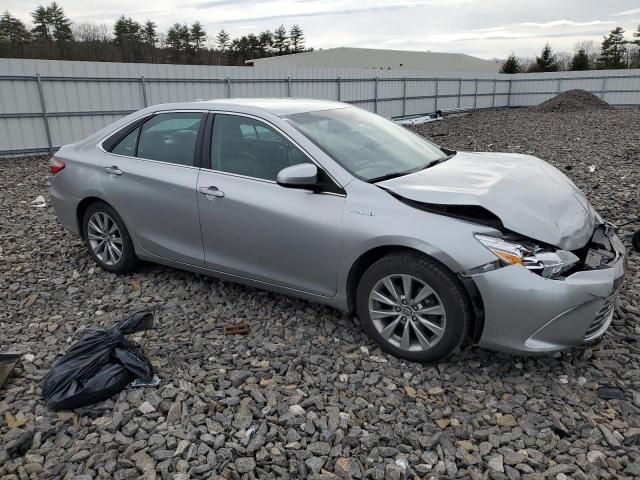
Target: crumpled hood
[{"x": 527, "y": 194}]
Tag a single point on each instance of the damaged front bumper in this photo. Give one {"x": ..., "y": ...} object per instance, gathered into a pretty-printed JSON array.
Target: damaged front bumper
[{"x": 525, "y": 313}]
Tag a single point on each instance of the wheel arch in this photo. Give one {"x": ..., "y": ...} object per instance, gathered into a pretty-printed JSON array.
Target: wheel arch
[
  {"x": 368, "y": 258},
  {"x": 82, "y": 207}
]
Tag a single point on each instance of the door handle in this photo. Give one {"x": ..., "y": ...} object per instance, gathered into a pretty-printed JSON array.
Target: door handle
[
  {"x": 113, "y": 170},
  {"x": 211, "y": 191}
]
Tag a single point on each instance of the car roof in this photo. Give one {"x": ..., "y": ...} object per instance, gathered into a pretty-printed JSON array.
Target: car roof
[{"x": 275, "y": 106}]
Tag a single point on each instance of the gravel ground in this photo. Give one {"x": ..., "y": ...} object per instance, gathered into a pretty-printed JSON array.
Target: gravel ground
[{"x": 306, "y": 394}]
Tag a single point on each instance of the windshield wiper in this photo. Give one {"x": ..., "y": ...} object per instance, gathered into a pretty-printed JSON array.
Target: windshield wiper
[
  {"x": 391, "y": 175},
  {"x": 437, "y": 161}
]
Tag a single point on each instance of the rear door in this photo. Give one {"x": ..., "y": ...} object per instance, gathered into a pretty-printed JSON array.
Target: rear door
[
  {"x": 150, "y": 178},
  {"x": 253, "y": 227}
]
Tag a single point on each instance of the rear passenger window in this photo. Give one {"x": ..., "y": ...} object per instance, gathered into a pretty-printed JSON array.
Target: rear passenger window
[
  {"x": 170, "y": 137},
  {"x": 127, "y": 146}
]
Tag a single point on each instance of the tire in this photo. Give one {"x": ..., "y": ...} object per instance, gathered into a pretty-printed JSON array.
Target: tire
[
  {"x": 93, "y": 221},
  {"x": 432, "y": 336}
]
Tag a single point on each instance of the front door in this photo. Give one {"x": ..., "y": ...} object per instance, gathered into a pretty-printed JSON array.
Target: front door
[
  {"x": 253, "y": 227},
  {"x": 150, "y": 179}
]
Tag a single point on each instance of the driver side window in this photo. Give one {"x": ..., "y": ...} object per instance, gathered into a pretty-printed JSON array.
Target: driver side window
[{"x": 251, "y": 148}]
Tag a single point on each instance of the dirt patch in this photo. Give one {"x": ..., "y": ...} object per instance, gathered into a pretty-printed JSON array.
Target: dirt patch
[{"x": 572, "y": 101}]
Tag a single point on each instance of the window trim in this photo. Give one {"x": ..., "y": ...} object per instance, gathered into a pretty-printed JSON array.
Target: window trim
[
  {"x": 117, "y": 136},
  {"x": 208, "y": 145},
  {"x": 109, "y": 143}
]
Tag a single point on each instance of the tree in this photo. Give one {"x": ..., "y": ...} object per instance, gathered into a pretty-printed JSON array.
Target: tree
[
  {"x": 511, "y": 65},
  {"x": 126, "y": 32},
  {"x": 265, "y": 40},
  {"x": 547, "y": 61},
  {"x": 634, "y": 50},
  {"x": 90, "y": 32},
  {"x": 590, "y": 48},
  {"x": 580, "y": 61},
  {"x": 296, "y": 38},
  {"x": 613, "y": 50},
  {"x": 149, "y": 33},
  {"x": 13, "y": 31},
  {"x": 280, "y": 40},
  {"x": 61, "y": 24},
  {"x": 42, "y": 27},
  {"x": 197, "y": 37},
  {"x": 222, "y": 40},
  {"x": 178, "y": 38}
]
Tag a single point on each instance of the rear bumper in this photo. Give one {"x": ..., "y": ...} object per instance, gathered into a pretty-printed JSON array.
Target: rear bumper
[
  {"x": 65, "y": 206},
  {"x": 528, "y": 314}
]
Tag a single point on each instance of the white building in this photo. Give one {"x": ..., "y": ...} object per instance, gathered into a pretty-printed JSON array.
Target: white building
[{"x": 381, "y": 59}]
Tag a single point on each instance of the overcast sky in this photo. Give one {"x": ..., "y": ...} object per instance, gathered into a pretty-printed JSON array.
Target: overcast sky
[{"x": 485, "y": 28}]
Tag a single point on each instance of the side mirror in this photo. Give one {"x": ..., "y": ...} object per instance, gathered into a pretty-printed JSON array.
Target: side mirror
[{"x": 303, "y": 175}]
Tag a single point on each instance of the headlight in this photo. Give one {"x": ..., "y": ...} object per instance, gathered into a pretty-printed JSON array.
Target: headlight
[{"x": 544, "y": 262}]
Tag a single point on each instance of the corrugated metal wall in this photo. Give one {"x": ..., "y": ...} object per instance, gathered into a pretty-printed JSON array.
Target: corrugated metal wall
[{"x": 81, "y": 97}]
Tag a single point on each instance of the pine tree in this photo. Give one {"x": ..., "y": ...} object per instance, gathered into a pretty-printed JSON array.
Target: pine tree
[
  {"x": 636, "y": 36},
  {"x": 580, "y": 61},
  {"x": 13, "y": 31},
  {"x": 42, "y": 27},
  {"x": 280, "y": 40},
  {"x": 613, "y": 50},
  {"x": 149, "y": 33},
  {"x": 547, "y": 62},
  {"x": 265, "y": 40},
  {"x": 173, "y": 38},
  {"x": 511, "y": 65},
  {"x": 126, "y": 32},
  {"x": 197, "y": 36},
  {"x": 61, "y": 24},
  {"x": 222, "y": 40},
  {"x": 296, "y": 37},
  {"x": 178, "y": 40}
]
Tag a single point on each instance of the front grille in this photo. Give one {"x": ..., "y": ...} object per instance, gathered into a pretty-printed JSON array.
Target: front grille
[{"x": 603, "y": 318}]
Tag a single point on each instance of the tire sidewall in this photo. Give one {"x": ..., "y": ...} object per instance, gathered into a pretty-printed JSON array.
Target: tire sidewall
[
  {"x": 446, "y": 287},
  {"x": 128, "y": 259}
]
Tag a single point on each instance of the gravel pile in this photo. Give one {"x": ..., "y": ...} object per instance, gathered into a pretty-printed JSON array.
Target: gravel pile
[
  {"x": 305, "y": 394},
  {"x": 572, "y": 101}
]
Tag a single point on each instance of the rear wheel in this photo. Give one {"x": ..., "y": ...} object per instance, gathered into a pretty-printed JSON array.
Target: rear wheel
[
  {"x": 107, "y": 239},
  {"x": 412, "y": 307}
]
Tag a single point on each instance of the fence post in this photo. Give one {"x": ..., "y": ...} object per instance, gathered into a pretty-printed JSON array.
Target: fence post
[
  {"x": 604, "y": 87},
  {"x": 339, "y": 89},
  {"x": 45, "y": 119},
  {"x": 375, "y": 91},
  {"x": 144, "y": 91},
  {"x": 404, "y": 97},
  {"x": 288, "y": 86},
  {"x": 509, "y": 93},
  {"x": 436, "y": 109},
  {"x": 475, "y": 95},
  {"x": 459, "y": 91},
  {"x": 228, "y": 87},
  {"x": 559, "y": 85},
  {"x": 493, "y": 97}
]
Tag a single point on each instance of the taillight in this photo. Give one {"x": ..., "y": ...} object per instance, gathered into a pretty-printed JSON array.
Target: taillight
[{"x": 55, "y": 165}]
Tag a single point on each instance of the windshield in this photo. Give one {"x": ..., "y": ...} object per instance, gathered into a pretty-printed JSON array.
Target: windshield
[{"x": 365, "y": 144}]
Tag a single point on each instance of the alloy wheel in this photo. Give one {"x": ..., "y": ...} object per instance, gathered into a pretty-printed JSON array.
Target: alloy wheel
[
  {"x": 105, "y": 238},
  {"x": 407, "y": 312}
]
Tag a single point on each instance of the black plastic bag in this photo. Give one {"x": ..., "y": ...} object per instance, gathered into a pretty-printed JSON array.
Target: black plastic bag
[{"x": 98, "y": 366}]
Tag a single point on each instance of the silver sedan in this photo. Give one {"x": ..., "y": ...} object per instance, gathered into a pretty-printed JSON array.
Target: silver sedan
[{"x": 336, "y": 205}]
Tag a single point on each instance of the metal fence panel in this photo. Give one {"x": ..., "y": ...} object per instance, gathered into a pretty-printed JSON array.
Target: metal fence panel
[{"x": 45, "y": 104}]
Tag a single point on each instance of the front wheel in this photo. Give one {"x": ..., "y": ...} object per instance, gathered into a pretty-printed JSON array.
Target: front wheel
[
  {"x": 107, "y": 239},
  {"x": 412, "y": 307}
]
